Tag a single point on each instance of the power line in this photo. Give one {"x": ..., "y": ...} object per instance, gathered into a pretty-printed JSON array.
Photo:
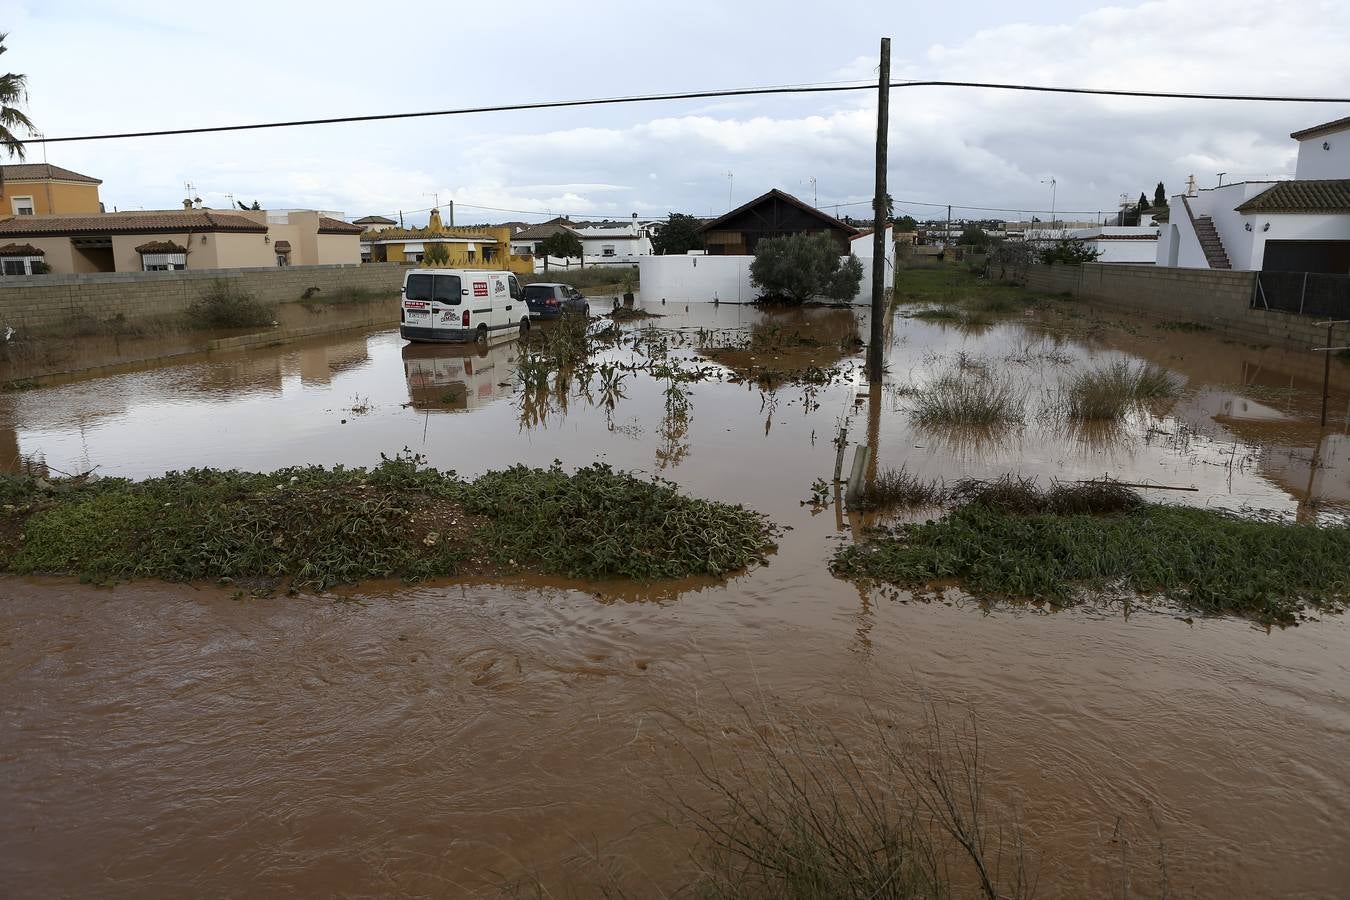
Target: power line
[{"x": 821, "y": 88}]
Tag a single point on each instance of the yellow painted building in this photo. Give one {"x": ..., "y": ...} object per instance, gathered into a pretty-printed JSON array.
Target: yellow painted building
[
  {"x": 40, "y": 189},
  {"x": 468, "y": 248}
]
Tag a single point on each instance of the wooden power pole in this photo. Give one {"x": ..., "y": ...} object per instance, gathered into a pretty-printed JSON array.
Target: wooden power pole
[{"x": 879, "y": 219}]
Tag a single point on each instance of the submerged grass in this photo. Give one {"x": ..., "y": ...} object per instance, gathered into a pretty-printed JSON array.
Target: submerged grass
[
  {"x": 968, "y": 399},
  {"x": 317, "y": 527},
  {"x": 1108, "y": 394},
  {"x": 1009, "y": 540},
  {"x": 897, "y": 489}
]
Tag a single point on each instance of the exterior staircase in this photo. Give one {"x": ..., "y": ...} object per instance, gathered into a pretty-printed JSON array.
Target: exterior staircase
[{"x": 1210, "y": 242}]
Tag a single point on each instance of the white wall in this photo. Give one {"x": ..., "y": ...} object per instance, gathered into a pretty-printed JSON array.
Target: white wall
[
  {"x": 1334, "y": 162},
  {"x": 707, "y": 278},
  {"x": 1119, "y": 251},
  {"x": 1287, "y": 227}
]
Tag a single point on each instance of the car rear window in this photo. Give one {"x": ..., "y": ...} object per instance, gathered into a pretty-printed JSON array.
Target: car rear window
[
  {"x": 538, "y": 292},
  {"x": 418, "y": 287}
]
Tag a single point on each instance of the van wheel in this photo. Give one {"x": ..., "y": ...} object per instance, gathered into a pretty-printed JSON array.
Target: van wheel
[
  {"x": 525, "y": 327},
  {"x": 481, "y": 335}
]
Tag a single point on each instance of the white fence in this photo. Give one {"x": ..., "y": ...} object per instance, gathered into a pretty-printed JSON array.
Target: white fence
[
  {"x": 708, "y": 278},
  {"x": 566, "y": 264}
]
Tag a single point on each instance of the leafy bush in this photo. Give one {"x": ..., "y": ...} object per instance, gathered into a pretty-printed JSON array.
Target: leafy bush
[
  {"x": 678, "y": 235},
  {"x": 226, "y": 305},
  {"x": 1069, "y": 251},
  {"x": 435, "y": 254},
  {"x": 797, "y": 267}
]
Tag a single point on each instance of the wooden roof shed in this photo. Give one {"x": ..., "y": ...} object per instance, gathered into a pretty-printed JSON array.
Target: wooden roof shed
[{"x": 773, "y": 214}]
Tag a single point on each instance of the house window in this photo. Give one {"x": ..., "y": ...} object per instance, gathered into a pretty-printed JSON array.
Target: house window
[
  {"x": 163, "y": 262},
  {"x": 607, "y": 250},
  {"x": 22, "y": 206},
  {"x": 16, "y": 266},
  {"x": 470, "y": 254},
  {"x": 283, "y": 260}
]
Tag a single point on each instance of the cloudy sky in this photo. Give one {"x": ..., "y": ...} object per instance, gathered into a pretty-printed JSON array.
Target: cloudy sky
[{"x": 97, "y": 67}]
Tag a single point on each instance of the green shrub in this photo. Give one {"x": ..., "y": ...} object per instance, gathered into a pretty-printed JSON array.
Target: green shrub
[
  {"x": 226, "y": 305},
  {"x": 797, "y": 267}
]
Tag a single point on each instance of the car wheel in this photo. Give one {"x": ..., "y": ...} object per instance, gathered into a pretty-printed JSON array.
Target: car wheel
[{"x": 481, "y": 334}]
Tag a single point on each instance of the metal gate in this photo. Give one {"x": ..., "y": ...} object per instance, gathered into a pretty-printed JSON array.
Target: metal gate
[{"x": 1306, "y": 293}]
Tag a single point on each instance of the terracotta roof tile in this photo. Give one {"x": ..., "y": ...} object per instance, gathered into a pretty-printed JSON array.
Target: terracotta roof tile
[
  {"x": 1324, "y": 128},
  {"x": 1310, "y": 196},
  {"x": 195, "y": 221},
  {"x": 34, "y": 171},
  {"x": 373, "y": 220},
  {"x": 329, "y": 225},
  {"x": 160, "y": 247}
]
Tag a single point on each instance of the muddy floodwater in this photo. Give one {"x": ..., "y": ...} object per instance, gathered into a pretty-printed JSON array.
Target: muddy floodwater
[{"x": 447, "y": 739}]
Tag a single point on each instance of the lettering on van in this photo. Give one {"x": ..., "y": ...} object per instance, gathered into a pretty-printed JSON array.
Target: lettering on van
[
  {"x": 414, "y": 304},
  {"x": 480, "y": 289}
]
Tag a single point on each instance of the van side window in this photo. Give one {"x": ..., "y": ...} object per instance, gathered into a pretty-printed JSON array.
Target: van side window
[
  {"x": 516, "y": 293},
  {"x": 418, "y": 287},
  {"x": 447, "y": 289}
]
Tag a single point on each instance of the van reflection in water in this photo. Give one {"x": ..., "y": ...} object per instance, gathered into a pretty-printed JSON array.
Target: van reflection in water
[{"x": 457, "y": 377}]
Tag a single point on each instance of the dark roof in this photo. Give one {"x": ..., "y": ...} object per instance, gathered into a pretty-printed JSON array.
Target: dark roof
[
  {"x": 328, "y": 225},
  {"x": 35, "y": 171},
  {"x": 282, "y": 246},
  {"x": 540, "y": 232},
  {"x": 787, "y": 198},
  {"x": 373, "y": 220},
  {"x": 160, "y": 247},
  {"x": 195, "y": 221},
  {"x": 1312, "y": 196},
  {"x": 1324, "y": 128},
  {"x": 21, "y": 250}
]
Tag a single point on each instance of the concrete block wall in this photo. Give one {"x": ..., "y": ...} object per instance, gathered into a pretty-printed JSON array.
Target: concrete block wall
[
  {"x": 1219, "y": 299},
  {"x": 43, "y": 302}
]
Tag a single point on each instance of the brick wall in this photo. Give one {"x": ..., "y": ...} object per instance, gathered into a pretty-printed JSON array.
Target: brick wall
[
  {"x": 51, "y": 301},
  {"x": 1219, "y": 299}
]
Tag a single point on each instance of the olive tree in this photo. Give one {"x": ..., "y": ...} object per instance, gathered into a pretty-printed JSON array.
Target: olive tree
[
  {"x": 564, "y": 244},
  {"x": 797, "y": 267}
]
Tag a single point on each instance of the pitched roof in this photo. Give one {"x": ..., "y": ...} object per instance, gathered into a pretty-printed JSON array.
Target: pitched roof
[
  {"x": 540, "y": 232},
  {"x": 373, "y": 220},
  {"x": 1310, "y": 196},
  {"x": 160, "y": 247},
  {"x": 21, "y": 250},
  {"x": 329, "y": 225},
  {"x": 196, "y": 221},
  {"x": 1324, "y": 128},
  {"x": 282, "y": 247},
  {"x": 35, "y": 171},
  {"x": 787, "y": 198}
]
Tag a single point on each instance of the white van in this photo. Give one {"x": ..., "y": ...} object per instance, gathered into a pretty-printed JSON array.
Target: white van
[{"x": 462, "y": 305}]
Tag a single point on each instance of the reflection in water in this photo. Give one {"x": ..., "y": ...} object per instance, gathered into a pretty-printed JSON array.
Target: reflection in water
[
  {"x": 456, "y": 377},
  {"x": 471, "y": 729}
]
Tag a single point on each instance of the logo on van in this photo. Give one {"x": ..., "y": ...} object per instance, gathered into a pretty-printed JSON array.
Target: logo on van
[
  {"x": 480, "y": 289},
  {"x": 499, "y": 287}
]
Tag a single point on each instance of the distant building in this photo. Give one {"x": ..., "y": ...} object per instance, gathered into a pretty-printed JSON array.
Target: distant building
[
  {"x": 609, "y": 240},
  {"x": 1301, "y": 225},
  {"x": 40, "y": 189},
  {"x": 472, "y": 247},
  {"x": 529, "y": 241},
  {"x": 167, "y": 240},
  {"x": 374, "y": 223},
  {"x": 1120, "y": 243},
  {"x": 773, "y": 214}
]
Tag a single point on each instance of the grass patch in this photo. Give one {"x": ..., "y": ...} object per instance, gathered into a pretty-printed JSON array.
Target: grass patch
[
  {"x": 1009, "y": 540},
  {"x": 317, "y": 527},
  {"x": 226, "y": 305},
  {"x": 897, "y": 489},
  {"x": 1108, "y": 394},
  {"x": 938, "y": 314},
  {"x": 965, "y": 399}
]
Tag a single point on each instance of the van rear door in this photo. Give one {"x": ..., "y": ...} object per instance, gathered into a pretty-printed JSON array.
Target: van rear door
[
  {"x": 446, "y": 301},
  {"x": 502, "y": 304},
  {"x": 417, "y": 293}
]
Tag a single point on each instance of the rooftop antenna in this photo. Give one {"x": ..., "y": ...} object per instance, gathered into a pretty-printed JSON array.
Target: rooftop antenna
[
  {"x": 815, "y": 200},
  {"x": 731, "y": 180},
  {"x": 1221, "y": 174},
  {"x": 1190, "y": 185}
]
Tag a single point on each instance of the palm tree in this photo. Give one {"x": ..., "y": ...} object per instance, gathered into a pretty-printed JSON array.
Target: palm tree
[{"x": 13, "y": 95}]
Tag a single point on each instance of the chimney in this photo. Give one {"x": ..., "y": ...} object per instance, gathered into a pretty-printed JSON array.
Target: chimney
[{"x": 187, "y": 203}]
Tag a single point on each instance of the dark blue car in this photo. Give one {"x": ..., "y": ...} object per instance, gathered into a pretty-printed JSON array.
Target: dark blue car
[{"x": 548, "y": 301}]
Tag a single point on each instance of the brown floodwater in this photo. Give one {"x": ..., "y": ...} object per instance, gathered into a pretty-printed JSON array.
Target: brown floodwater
[{"x": 444, "y": 739}]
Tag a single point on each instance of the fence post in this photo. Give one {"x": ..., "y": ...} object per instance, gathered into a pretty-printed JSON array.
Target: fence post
[{"x": 1303, "y": 295}]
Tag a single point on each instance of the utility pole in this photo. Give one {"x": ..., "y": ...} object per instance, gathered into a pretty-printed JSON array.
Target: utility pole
[
  {"x": 879, "y": 218},
  {"x": 947, "y": 235},
  {"x": 452, "y": 213}
]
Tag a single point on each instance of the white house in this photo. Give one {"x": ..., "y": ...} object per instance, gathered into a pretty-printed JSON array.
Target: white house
[
  {"x": 607, "y": 240},
  {"x": 1301, "y": 225},
  {"x": 1121, "y": 243}
]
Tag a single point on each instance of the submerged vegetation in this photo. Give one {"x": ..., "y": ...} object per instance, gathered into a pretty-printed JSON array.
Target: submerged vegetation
[
  {"x": 1109, "y": 393},
  {"x": 958, "y": 398},
  {"x": 317, "y": 527},
  {"x": 1007, "y": 539},
  {"x": 225, "y": 304}
]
